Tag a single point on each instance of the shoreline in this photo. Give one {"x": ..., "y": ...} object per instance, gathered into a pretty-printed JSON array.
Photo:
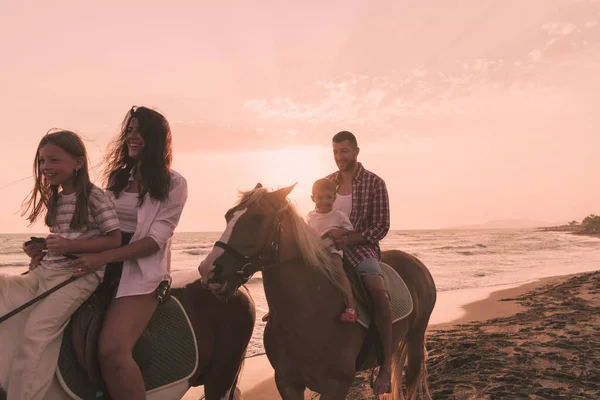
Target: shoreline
[
  {"x": 483, "y": 310},
  {"x": 571, "y": 230}
]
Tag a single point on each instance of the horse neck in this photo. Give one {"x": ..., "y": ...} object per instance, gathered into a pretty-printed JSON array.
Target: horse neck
[{"x": 294, "y": 289}]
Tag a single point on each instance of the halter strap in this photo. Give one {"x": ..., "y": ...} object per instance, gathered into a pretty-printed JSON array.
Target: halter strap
[{"x": 232, "y": 251}]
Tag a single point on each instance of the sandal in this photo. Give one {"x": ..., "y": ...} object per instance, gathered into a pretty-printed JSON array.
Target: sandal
[{"x": 349, "y": 315}]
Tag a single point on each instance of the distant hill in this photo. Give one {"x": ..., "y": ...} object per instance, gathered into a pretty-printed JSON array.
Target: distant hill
[{"x": 506, "y": 224}]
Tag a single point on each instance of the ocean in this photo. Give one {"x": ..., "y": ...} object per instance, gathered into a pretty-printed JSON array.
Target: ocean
[{"x": 457, "y": 259}]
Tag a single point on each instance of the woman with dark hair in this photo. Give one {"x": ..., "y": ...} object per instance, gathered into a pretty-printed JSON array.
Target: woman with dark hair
[{"x": 149, "y": 198}]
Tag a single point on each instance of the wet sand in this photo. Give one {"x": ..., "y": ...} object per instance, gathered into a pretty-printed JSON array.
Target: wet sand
[
  {"x": 540, "y": 340},
  {"x": 549, "y": 349}
]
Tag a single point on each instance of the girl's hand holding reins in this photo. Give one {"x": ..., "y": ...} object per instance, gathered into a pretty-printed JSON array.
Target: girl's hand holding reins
[
  {"x": 35, "y": 253},
  {"x": 86, "y": 263},
  {"x": 36, "y": 261},
  {"x": 34, "y": 249},
  {"x": 58, "y": 245}
]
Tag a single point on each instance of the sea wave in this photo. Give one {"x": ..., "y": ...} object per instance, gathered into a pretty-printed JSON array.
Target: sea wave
[
  {"x": 194, "y": 246},
  {"x": 197, "y": 251},
  {"x": 473, "y": 246},
  {"x": 11, "y": 251},
  {"x": 14, "y": 264}
]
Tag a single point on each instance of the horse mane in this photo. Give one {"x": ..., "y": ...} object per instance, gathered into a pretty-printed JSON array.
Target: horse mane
[{"x": 314, "y": 252}]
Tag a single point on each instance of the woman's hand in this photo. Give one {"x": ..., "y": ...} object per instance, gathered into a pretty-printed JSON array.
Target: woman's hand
[
  {"x": 86, "y": 263},
  {"x": 58, "y": 245}
]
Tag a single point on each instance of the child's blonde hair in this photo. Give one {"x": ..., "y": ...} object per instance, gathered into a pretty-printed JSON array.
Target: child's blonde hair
[
  {"x": 44, "y": 197},
  {"x": 323, "y": 184}
]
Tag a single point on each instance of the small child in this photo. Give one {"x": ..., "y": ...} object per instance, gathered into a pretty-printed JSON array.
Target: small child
[
  {"x": 325, "y": 221},
  {"x": 82, "y": 219}
]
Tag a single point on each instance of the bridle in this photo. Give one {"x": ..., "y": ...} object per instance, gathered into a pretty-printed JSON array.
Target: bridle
[{"x": 262, "y": 259}]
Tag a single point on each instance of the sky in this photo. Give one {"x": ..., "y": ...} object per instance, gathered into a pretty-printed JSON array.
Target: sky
[{"x": 470, "y": 110}]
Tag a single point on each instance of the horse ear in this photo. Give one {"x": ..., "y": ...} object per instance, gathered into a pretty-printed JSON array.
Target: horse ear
[
  {"x": 258, "y": 186},
  {"x": 283, "y": 193}
]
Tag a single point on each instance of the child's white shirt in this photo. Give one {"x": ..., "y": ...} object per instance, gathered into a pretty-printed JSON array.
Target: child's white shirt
[{"x": 324, "y": 222}]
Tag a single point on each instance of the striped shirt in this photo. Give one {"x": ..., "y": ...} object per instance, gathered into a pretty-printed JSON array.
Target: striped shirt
[
  {"x": 102, "y": 218},
  {"x": 370, "y": 214}
]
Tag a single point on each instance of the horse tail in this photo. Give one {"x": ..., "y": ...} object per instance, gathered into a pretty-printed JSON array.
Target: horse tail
[
  {"x": 412, "y": 352},
  {"x": 413, "y": 355}
]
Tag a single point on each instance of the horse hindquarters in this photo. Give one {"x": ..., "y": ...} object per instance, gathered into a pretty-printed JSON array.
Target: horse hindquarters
[
  {"x": 223, "y": 330},
  {"x": 412, "y": 351}
]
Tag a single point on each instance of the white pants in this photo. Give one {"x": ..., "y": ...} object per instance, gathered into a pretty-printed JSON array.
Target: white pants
[{"x": 42, "y": 326}]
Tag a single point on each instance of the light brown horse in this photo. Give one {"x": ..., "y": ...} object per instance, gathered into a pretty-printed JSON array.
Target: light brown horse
[{"x": 306, "y": 344}]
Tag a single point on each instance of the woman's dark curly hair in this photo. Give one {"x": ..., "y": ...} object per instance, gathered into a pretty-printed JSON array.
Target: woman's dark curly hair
[{"x": 155, "y": 158}]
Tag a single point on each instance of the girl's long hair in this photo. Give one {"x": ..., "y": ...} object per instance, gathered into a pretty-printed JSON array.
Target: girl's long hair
[
  {"x": 44, "y": 197},
  {"x": 155, "y": 158}
]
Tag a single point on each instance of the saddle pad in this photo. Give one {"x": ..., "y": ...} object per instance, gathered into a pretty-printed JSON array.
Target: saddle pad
[
  {"x": 174, "y": 355},
  {"x": 400, "y": 298}
]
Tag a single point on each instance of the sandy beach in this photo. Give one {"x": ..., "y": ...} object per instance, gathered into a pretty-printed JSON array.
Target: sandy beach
[{"x": 539, "y": 340}]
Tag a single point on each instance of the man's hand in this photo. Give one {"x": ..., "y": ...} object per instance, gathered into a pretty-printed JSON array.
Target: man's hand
[
  {"x": 335, "y": 234},
  {"x": 355, "y": 238},
  {"x": 58, "y": 245},
  {"x": 341, "y": 243}
]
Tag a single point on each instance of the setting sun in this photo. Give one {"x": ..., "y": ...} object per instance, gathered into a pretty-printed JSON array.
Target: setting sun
[{"x": 302, "y": 165}]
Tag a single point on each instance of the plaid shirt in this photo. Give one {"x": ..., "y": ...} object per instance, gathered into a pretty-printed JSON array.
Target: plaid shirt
[{"x": 370, "y": 214}]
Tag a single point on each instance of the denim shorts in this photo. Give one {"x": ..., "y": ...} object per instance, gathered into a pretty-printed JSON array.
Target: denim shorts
[{"x": 370, "y": 266}]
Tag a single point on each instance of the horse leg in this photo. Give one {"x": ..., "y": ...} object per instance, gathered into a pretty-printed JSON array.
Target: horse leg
[
  {"x": 222, "y": 380},
  {"x": 289, "y": 390},
  {"x": 336, "y": 390}
]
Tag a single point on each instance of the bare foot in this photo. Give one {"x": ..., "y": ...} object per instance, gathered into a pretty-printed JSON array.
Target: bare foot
[{"x": 383, "y": 383}]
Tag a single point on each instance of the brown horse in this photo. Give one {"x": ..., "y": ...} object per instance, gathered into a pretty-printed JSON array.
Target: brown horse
[
  {"x": 306, "y": 344},
  {"x": 223, "y": 330}
]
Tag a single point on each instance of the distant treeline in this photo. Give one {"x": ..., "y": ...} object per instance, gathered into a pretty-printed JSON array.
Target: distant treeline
[{"x": 589, "y": 225}]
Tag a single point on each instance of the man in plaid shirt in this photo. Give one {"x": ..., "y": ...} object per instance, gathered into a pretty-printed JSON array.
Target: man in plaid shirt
[{"x": 363, "y": 196}]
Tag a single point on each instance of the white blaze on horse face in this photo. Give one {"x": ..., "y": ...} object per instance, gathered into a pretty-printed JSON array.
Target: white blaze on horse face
[{"x": 207, "y": 267}]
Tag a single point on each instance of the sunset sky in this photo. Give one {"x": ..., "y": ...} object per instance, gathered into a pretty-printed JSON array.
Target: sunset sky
[{"x": 470, "y": 110}]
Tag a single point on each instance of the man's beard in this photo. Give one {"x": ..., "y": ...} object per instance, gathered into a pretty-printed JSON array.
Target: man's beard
[{"x": 349, "y": 166}]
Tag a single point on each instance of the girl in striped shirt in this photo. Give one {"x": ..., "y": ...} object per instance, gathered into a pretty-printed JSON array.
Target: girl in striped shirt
[{"x": 82, "y": 219}]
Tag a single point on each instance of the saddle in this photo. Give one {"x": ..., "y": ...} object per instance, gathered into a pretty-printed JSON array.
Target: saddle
[
  {"x": 166, "y": 353},
  {"x": 400, "y": 302},
  {"x": 86, "y": 324}
]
